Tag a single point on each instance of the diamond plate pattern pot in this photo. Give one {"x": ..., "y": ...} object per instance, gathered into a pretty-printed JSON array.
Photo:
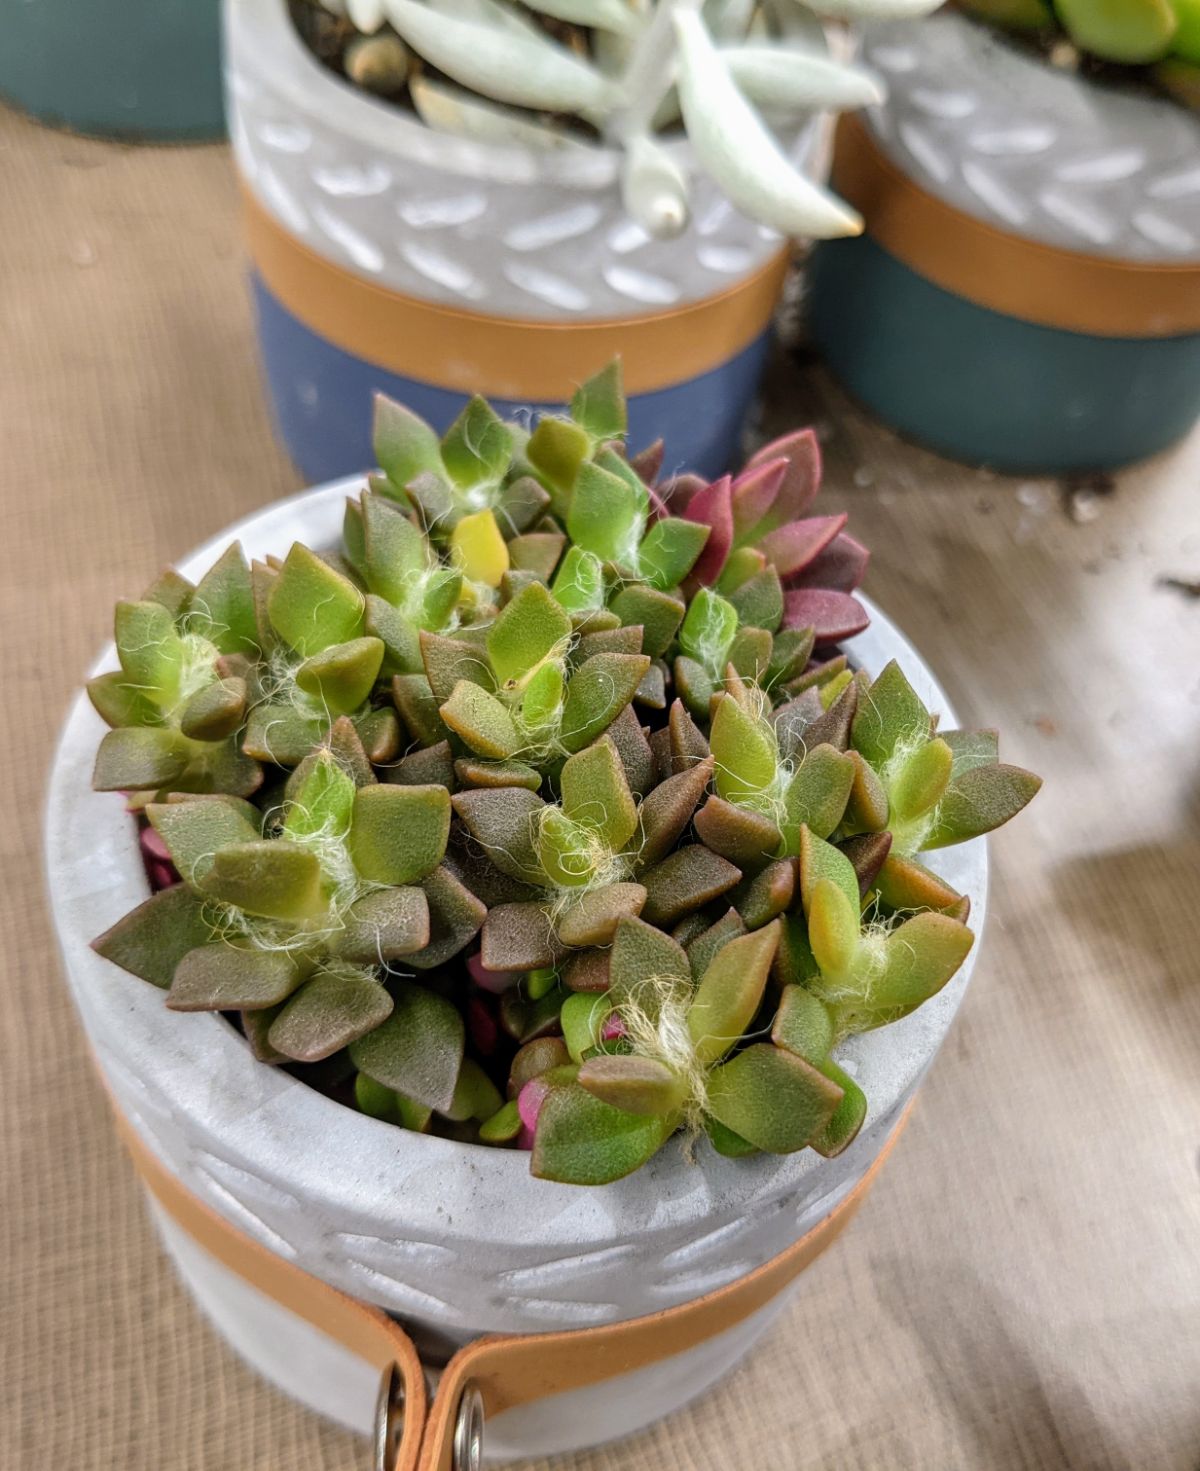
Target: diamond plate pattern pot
[
  {"x": 388, "y": 256},
  {"x": 136, "y": 69},
  {"x": 456, "y": 1240},
  {"x": 1028, "y": 293}
]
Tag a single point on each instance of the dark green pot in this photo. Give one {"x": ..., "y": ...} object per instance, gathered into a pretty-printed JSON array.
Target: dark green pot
[
  {"x": 138, "y": 69},
  {"x": 987, "y": 388}
]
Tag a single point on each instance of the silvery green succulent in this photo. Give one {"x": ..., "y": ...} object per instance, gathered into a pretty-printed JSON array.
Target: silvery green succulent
[
  {"x": 550, "y": 76},
  {"x": 569, "y": 832}
]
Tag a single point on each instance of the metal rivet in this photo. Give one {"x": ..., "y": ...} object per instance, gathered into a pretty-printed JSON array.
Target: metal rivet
[
  {"x": 389, "y": 1419},
  {"x": 468, "y": 1431}
]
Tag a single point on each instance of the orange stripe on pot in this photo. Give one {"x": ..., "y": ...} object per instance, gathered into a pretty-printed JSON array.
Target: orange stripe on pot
[
  {"x": 1007, "y": 273},
  {"x": 508, "y": 1370},
  {"x": 523, "y": 359}
]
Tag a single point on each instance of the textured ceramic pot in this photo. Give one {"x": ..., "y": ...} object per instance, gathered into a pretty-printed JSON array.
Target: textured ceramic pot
[
  {"x": 388, "y": 256},
  {"x": 455, "y": 1240},
  {"x": 1028, "y": 293},
  {"x": 138, "y": 69}
]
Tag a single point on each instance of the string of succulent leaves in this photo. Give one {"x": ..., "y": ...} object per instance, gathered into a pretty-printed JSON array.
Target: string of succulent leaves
[
  {"x": 556, "y": 74},
  {"x": 546, "y": 813}
]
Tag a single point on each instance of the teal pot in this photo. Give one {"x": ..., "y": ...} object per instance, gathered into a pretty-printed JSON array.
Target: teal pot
[
  {"x": 1028, "y": 294},
  {"x": 136, "y": 69}
]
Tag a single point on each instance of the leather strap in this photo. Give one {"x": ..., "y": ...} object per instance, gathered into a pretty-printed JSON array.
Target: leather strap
[
  {"x": 524, "y": 358},
  {"x": 1006, "y": 272},
  {"x": 508, "y": 1370}
]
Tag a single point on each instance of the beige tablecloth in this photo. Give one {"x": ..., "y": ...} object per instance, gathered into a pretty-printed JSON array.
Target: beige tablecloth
[{"x": 1023, "y": 1289}]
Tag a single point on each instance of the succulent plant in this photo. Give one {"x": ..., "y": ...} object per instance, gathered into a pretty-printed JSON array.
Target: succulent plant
[
  {"x": 178, "y": 701},
  {"x": 564, "y": 74},
  {"x": 287, "y": 915},
  {"x": 608, "y": 844},
  {"x": 1162, "y": 36}
]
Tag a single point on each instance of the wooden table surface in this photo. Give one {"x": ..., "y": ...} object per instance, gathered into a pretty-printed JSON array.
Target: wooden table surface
[{"x": 1023, "y": 1289}]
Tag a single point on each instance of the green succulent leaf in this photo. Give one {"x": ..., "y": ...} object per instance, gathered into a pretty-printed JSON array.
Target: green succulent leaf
[
  {"x": 594, "y": 919},
  {"x": 151, "y": 940},
  {"x": 582, "y": 1019},
  {"x": 605, "y": 517},
  {"x": 270, "y": 878},
  {"x": 342, "y": 677},
  {"x": 528, "y": 630},
  {"x": 670, "y": 550},
  {"x": 405, "y": 446},
  {"x": 581, "y": 1140},
  {"x": 222, "y": 977},
  {"x": 385, "y": 924},
  {"x": 637, "y": 1085},
  {"x": 708, "y": 631},
  {"x": 478, "y": 446},
  {"x": 833, "y": 927},
  {"x": 817, "y": 794},
  {"x": 848, "y": 1117},
  {"x": 980, "y": 800},
  {"x": 138, "y": 757},
  {"x": 151, "y": 651},
  {"x": 647, "y": 968},
  {"x": 195, "y": 831},
  {"x": 214, "y": 712},
  {"x": 322, "y": 803},
  {"x": 398, "y": 834},
  {"x": 578, "y": 584},
  {"x": 891, "y": 714},
  {"x": 221, "y": 608},
  {"x": 821, "y": 860},
  {"x": 598, "y": 691},
  {"x": 921, "y": 782},
  {"x": 312, "y": 606},
  {"x": 418, "y": 1050},
  {"x": 745, "y": 751},
  {"x": 803, "y": 1025},
  {"x": 596, "y": 794},
  {"x": 772, "y": 1098},
  {"x": 729, "y": 994},
  {"x": 598, "y": 405},
  {"x": 482, "y": 721},
  {"x": 475, "y": 1095}
]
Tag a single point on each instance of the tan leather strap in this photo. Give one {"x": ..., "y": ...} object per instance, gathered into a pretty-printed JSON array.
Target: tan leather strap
[
  {"x": 507, "y": 1370},
  {"x": 522, "y": 358},
  {"x": 1003, "y": 271}
]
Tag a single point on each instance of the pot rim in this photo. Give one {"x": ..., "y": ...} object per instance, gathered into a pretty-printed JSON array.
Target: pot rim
[
  {"x": 261, "y": 1124},
  {"x": 259, "y": 34}
]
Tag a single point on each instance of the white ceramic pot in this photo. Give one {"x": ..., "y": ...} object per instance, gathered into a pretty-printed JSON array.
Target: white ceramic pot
[
  {"x": 455, "y": 1240},
  {"x": 389, "y": 256}
]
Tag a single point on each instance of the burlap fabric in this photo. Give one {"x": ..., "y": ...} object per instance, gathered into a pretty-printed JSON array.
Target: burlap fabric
[{"x": 1023, "y": 1289}]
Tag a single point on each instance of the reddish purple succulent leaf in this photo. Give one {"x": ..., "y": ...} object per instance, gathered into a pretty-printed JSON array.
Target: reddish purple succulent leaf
[
  {"x": 679, "y": 489},
  {"x": 153, "y": 846},
  {"x": 803, "y": 478},
  {"x": 793, "y": 547},
  {"x": 482, "y": 1027},
  {"x": 648, "y": 462},
  {"x": 754, "y": 493},
  {"x": 841, "y": 565},
  {"x": 530, "y": 1100},
  {"x": 713, "y": 506},
  {"x": 834, "y": 615},
  {"x": 495, "y": 981}
]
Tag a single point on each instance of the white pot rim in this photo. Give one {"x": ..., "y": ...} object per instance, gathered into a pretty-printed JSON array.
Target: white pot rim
[
  {"x": 262, "y": 37},
  {"x": 253, "y": 1132}
]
